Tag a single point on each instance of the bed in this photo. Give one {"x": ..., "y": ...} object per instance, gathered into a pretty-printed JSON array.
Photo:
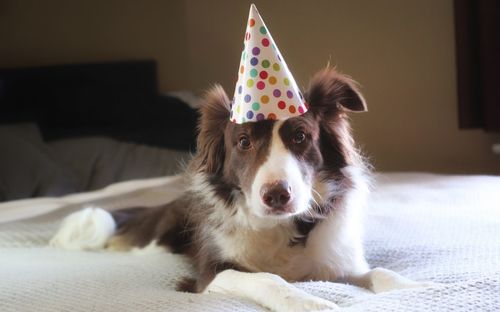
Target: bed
[
  {"x": 439, "y": 228},
  {"x": 428, "y": 227}
]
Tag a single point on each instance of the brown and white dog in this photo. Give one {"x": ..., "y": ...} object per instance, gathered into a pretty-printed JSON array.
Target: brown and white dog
[{"x": 266, "y": 203}]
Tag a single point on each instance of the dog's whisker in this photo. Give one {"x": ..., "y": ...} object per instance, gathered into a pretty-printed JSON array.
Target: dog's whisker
[{"x": 317, "y": 193}]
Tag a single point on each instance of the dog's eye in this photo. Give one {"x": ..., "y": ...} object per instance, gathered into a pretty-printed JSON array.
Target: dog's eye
[
  {"x": 244, "y": 142},
  {"x": 299, "y": 137}
]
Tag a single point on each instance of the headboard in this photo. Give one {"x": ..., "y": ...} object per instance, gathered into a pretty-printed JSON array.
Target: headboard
[{"x": 116, "y": 99}]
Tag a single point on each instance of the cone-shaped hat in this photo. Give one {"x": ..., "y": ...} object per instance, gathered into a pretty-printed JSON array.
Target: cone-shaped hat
[{"x": 265, "y": 89}]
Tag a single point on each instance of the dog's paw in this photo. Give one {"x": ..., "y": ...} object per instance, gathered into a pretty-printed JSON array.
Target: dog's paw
[
  {"x": 214, "y": 288},
  {"x": 307, "y": 303},
  {"x": 268, "y": 290},
  {"x": 383, "y": 280}
]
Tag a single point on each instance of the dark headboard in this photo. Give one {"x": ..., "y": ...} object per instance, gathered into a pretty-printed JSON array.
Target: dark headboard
[{"x": 118, "y": 99}]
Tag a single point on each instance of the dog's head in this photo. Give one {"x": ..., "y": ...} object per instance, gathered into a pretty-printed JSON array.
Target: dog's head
[{"x": 281, "y": 168}]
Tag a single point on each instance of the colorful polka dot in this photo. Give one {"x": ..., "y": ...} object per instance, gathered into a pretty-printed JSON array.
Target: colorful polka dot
[{"x": 265, "y": 92}]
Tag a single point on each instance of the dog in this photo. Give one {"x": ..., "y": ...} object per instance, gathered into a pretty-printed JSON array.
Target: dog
[{"x": 266, "y": 203}]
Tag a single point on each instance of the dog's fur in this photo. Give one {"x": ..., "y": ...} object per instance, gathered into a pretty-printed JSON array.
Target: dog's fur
[{"x": 238, "y": 243}]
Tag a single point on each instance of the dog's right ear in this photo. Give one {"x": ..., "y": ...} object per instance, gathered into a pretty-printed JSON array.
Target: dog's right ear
[
  {"x": 331, "y": 93},
  {"x": 330, "y": 96},
  {"x": 215, "y": 112}
]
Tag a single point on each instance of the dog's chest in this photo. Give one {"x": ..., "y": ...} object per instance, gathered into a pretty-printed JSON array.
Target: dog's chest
[{"x": 269, "y": 250}]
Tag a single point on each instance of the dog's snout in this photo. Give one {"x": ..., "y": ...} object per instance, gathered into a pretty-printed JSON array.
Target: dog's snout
[{"x": 276, "y": 195}]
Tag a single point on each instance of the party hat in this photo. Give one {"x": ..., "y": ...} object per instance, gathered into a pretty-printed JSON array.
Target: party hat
[{"x": 265, "y": 89}]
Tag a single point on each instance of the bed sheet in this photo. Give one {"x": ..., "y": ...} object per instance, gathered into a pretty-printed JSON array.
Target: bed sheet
[{"x": 428, "y": 227}]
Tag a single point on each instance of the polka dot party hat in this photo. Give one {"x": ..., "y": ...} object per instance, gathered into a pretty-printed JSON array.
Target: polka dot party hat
[{"x": 265, "y": 88}]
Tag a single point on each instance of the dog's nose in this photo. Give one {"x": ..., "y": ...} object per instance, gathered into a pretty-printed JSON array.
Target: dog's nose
[{"x": 277, "y": 194}]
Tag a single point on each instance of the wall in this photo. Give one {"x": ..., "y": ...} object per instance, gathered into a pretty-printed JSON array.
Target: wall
[
  {"x": 36, "y": 32},
  {"x": 402, "y": 53}
]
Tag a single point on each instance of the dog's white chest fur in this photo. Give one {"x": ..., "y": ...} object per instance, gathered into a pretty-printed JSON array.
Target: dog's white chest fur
[
  {"x": 332, "y": 250},
  {"x": 264, "y": 250}
]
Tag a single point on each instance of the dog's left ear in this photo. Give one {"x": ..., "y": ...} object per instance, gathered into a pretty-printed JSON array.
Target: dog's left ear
[
  {"x": 215, "y": 112},
  {"x": 331, "y": 93}
]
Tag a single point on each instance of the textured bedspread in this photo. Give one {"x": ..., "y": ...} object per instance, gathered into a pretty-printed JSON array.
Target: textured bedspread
[{"x": 439, "y": 228}]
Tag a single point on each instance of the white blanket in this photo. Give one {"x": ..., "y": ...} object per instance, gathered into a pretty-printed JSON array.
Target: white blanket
[{"x": 437, "y": 228}]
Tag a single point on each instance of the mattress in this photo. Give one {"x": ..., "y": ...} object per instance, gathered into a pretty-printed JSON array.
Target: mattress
[{"x": 439, "y": 228}]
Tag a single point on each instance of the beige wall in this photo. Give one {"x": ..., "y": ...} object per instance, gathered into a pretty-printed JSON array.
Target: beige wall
[
  {"x": 44, "y": 32},
  {"x": 402, "y": 52}
]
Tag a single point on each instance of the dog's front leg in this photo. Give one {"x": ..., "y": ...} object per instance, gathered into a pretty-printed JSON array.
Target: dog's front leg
[
  {"x": 379, "y": 280},
  {"x": 268, "y": 290}
]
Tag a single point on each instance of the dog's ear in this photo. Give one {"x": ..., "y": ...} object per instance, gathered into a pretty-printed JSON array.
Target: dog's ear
[
  {"x": 330, "y": 96},
  {"x": 331, "y": 93},
  {"x": 215, "y": 111}
]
